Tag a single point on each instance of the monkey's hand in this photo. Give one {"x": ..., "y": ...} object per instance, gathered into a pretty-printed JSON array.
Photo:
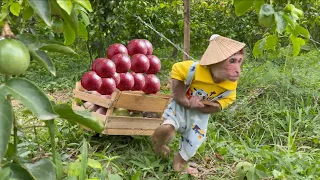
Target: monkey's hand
[
  {"x": 212, "y": 108},
  {"x": 195, "y": 102},
  {"x": 179, "y": 95}
]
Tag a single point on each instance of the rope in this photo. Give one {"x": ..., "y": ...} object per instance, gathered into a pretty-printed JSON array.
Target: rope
[{"x": 160, "y": 34}]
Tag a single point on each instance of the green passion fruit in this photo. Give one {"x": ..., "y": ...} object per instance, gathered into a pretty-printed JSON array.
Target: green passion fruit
[
  {"x": 266, "y": 21},
  {"x": 121, "y": 112},
  {"x": 14, "y": 57}
]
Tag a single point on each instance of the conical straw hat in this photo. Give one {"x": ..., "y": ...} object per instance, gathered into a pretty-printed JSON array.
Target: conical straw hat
[{"x": 219, "y": 49}]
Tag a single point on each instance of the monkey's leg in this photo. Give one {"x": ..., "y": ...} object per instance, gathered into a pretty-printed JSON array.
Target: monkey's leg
[{"x": 161, "y": 138}]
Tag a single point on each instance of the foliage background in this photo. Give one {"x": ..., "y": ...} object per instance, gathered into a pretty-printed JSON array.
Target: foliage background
[
  {"x": 274, "y": 124},
  {"x": 113, "y": 21}
]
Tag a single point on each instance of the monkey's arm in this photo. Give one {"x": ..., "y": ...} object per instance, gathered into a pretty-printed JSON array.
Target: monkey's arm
[
  {"x": 208, "y": 109},
  {"x": 178, "y": 89},
  {"x": 220, "y": 104}
]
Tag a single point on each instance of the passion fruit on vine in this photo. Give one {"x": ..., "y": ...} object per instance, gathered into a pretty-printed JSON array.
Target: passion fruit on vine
[
  {"x": 14, "y": 57},
  {"x": 266, "y": 21}
]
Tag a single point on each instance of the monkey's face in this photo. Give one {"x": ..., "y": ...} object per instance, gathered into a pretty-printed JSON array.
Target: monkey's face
[{"x": 229, "y": 69}]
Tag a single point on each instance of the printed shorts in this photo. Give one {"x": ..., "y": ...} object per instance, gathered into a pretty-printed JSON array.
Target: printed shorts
[{"x": 191, "y": 124}]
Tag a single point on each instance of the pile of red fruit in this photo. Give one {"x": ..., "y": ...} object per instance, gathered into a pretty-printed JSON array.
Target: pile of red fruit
[{"x": 125, "y": 68}]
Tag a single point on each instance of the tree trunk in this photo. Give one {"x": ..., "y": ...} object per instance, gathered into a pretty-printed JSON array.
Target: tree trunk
[{"x": 186, "y": 43}]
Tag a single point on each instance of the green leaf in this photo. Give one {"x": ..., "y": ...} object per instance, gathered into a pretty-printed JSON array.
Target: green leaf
[
  {"x": 290, "y": 20},
  {"x": 267, "y": 10},
  {"x": 242, "y": 6},
  {"x": 281, "y": 22},
  {"x": 58, "y": 48},
  {"x": 258, "y": 4},
  {"x": 82, "y": 117},
  {"x": 104, "y": 173},
  {"x": 27, "y": 13},
  {"x": 6, "y": 119},
  {"x": 261, "y": 171},
  {"x": 74, "y": 169},
  {"x": 28, "y": 39},
  {"x": 252, "y": 175},
  {"x": 240, "y": 175},
  {"x": 10, "y": 151},
  {"x": 79, "y": 8},
  {"x": 295, "y": 12},
  {"x": 271, "y": 42},
  {"x": 4, "y": 173},
  {"x": 296, "y": 44},
  {"x": 75, "y": 21},
  {"x": 32, "y": 97},
  {"x": 302, "y": 31},
  {"x": 4, "y": 12},
  {"x": 68, "y": 33},
  {"x": 290, "y": 7},
  {"x": 257, "y": 48},
  {"x": 19, "y": 172},
  {"x": 136, "y": 176},
  {"x": 71, "y": 20},
  {"x": 15, "y": 8},
  {"x": 43, "y": 59},
  {"x": 65, "y": 5},
  {"x": 42, "y": 169},
  {"x": 84, "y": 160},
  {"x": 85, "y": 3},
  {"x": 42, "y": 8},
  {"x": 85, "y": 18},
  {"x": 277, "y": 174},
  {"x": 94, "y": 163},
  {"x": 83, "y": 31},
  {"x": 114, "y": 177},
  {"x": 139, "y": 164}
]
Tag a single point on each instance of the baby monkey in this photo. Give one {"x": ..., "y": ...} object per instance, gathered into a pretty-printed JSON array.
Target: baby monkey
[{"x": 214, "y": 78}]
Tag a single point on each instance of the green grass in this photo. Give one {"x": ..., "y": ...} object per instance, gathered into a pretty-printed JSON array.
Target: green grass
[
  {"x": 274, "y": 124},
  {"x": 69, "y": 70}
]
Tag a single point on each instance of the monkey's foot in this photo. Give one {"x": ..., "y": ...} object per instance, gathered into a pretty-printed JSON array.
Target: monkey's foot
[
  {"x": 161, "y": 150},
  {"x": 185, "y": 169}
]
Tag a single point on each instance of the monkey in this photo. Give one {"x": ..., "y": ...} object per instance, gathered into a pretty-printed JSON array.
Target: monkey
[{"x": 212, "y": 70}]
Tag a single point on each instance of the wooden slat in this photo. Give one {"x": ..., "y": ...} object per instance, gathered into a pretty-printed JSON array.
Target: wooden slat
[
  {"x": 141, "y": 102},
  {"x": 79, "y": 87},
  {"x": 92, "y": 98},
  {"x": 118, "y": 122},
  {"x": 113, "y": 100},
  {"x": 129, "y": 132},
  {"x": 79, "y": 92},
  {"x": 149, "y": 95}
]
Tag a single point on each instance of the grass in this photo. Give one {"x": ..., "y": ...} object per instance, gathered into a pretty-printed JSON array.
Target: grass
[{"x": 274, "y": 124}]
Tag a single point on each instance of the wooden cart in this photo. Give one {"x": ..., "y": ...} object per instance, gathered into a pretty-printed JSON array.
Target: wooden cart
[{"x": 132, "y": 100}]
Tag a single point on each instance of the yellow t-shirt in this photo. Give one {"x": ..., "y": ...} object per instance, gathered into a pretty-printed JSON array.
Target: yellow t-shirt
[{"x": 202, "y": 84}]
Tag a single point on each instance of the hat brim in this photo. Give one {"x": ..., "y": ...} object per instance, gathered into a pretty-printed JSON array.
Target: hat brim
[{"x": 220, "y": 49}]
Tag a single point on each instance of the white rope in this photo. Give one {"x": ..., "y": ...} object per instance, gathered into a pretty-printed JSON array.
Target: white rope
[{"x": 160, "y": 34}]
